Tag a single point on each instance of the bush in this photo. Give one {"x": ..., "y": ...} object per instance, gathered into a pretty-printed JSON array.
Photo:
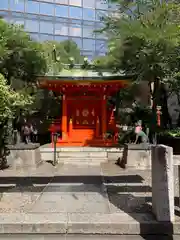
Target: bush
[
  {"x": 10, "y": 103},
  {"x": 170, "y": 132}
]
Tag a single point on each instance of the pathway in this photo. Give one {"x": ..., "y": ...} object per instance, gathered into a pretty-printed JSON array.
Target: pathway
[{"x": 77, "y": 199}]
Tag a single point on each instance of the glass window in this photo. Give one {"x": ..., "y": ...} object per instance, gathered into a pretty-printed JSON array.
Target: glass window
[
  {"x": 17, "y": 5},
  {"x": 17, "y": 15},
  {"x": 6, "y": 18},
  {"x": 113, "y": 6},
  {"x": 60, "y": 38},
  {"x": 61, "y": 11},
  {"x": 101, "y": 46},
  {"x": 61, "y": 1},
  {"x": 32, "y": 25},
  {"x": 32, "y": 7},
  {"x": 100, "y": 14},
  {"x": 89, "y": 44},
  {"x": 89, "y": 4},
  {"x": 101, "y": 54},
  {"x": 88, "y": 14},
  {"x": 45, "y": 37},
  {"x": 75, "y": 31},
  {"x": 47, "y": 9},
  {"x": 75, "y": 2},
  {"x": 46, "y": 18},
  {"x": 75, "y": 12},
  {"x": 88, "y": 23},
  {"x": 34, "y": 36},
  {"x": 88, "y": 32},
  {"x": 46, "y": 27},
  {"x": 50, "y": 1},
  {"x": 61, "y": 29},
  {"x": 4, "y": 15},
  {"x": 75, "y": 21},
  {"x": 18, "y": 21},
  {"x": 78, "y": 41},
  {"x": 32, "y": 16},
  {"x": 99, "y": 34},
  {"x": 4, "y": 4},
  {"x": 102, "y": 4},
  {"x": 90, "y": 58}
]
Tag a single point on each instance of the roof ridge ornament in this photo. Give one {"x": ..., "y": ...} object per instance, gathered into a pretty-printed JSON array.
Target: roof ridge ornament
[{"x": 85, "y": 65}]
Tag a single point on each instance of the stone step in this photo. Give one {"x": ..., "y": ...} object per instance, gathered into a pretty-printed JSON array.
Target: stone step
[
  {"x": 81, "y": 149},
  {"x": 84, "y": 153},
  {"x": 82, "y": 160},
  {"x": 77, "y": 223}
]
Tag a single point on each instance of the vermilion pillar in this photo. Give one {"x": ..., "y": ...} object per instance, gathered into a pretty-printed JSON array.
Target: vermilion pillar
[
  {"x": 104, "y": 116},
  {"x": 64, "y": 118},
  {"x": 97, "y": 127}
]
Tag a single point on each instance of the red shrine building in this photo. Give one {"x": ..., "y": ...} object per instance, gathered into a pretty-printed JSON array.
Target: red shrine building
[{"x": 86, "y": 117}]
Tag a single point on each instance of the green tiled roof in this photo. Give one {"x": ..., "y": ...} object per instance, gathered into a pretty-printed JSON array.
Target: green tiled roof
[{"x": 79, "y": 74}]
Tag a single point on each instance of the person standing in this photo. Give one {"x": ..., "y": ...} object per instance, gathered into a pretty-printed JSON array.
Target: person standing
[
  {"x": 33, "y": 133},
  {"x": 26, "y": 133}
]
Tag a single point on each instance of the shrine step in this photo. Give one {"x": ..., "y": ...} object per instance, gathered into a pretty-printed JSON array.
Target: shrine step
[
  {"x": 81, "y": 154},
  {"x": 82, "y": 161}
]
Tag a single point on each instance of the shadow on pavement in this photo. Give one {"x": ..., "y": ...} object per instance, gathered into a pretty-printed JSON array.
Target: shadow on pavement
[
  {"x": 93, "y": 179},
  {"x": 121, "y": 197}
]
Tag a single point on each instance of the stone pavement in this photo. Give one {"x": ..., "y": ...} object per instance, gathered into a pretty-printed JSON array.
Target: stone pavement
[
  {"x": 78, "y": 199},
  {"x": 84, "y": 237}
]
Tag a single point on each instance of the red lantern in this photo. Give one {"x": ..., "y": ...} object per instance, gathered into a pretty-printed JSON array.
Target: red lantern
[{"x": 158, "y": 112}]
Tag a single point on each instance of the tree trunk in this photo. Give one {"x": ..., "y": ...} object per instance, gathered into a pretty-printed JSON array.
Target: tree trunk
[
  {"x": 154, "y": 90},
  {"x": 178, "y": 121},
  {"x": 166, "y": 120}
]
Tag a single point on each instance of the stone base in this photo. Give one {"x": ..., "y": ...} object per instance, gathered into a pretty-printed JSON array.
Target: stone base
[
  {"x": 136, "y": 156},
  {"x": 85, "y": 224},
  {"x": 24, "y": 155}
]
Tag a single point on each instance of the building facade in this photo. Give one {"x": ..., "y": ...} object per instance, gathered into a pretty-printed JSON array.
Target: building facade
[{"x": 61, "y": 20}]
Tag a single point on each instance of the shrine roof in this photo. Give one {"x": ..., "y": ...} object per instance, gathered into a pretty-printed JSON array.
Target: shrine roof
[{"x": 79, "y": 74}]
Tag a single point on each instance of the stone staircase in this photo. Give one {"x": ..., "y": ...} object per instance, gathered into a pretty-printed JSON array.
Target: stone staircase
[{"x": 81, "y": 155}]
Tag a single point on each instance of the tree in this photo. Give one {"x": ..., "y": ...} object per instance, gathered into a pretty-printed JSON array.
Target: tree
[
  {"x": 59, "y": 53},
  {"x": 10, "y": 102},
  {"x": 144, "y": 41},
  {"x": 20, "y": 57}
]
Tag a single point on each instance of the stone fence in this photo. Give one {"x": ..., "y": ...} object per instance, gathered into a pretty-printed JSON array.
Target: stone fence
[{"x": 24, "y": 156}]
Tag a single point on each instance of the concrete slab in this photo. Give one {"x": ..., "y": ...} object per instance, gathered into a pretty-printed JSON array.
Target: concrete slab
[
  {"x": 33, "y": 223},
  {"x": 80, "y": 170},
  {"x": 72, "y": 202}
]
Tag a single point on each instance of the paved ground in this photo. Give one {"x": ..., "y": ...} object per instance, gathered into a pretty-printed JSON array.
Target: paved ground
[
  {"x": 77, "y": 194},
  {"x": 84, "y": 237}
]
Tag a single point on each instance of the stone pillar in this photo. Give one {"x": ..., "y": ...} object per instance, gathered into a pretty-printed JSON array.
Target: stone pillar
[
  {"x": 64, "y": 118},
  {"x": 104, "y": 116},
  {"x": 162, "y": 183}
]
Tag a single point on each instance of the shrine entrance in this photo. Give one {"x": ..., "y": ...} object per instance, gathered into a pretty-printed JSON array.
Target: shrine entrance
[
  {"x": 84, "y": 112},
  {"x": 86, "y": 116}
]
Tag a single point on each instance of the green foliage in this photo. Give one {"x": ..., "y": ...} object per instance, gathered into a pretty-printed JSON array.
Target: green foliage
[
  {"x": 58, "y": 54},
  {"x": 20, "y": 57},
  {"x": 144, "y": 39},
  {"x": 11, "y": 101},
  {"x": 172, "y": 133}
]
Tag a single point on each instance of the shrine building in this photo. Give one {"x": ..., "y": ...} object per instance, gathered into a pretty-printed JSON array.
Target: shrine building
[{"x": 86, "y": 117}]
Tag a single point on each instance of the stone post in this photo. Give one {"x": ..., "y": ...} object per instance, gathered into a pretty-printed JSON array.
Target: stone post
[{"x": 162, "y": 183}]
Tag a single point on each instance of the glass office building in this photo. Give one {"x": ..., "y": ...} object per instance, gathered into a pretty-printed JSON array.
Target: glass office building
[{"x": 61, "y": 20}]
